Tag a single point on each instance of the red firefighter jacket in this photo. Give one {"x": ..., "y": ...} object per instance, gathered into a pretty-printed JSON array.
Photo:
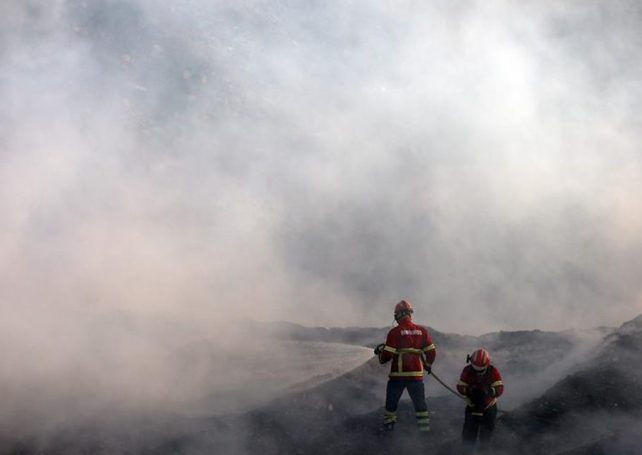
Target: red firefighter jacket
[
  {"x": 481, "y": 389},
  {"x": 409, "y": 346}
]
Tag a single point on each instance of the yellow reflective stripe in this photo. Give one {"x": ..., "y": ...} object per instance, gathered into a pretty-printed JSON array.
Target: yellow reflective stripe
[
  {"x": 496, "y": 383},
  {"x": 389, "y": 349},
  {"x": 407, "y": 373},
  {"x": 429, "y": 348},
  {"x": 422, "y": 414},
  {"x": 470, "y": 403},
  {"x": 400, "y": 352},
  {"x": 493, "y": 401},
  {"x": 465, "y": 384}
]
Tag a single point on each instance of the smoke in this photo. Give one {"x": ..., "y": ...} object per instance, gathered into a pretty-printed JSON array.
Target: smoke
[
  {"x": 336, "y": 157},
  {"x": 168, "y": 169}
]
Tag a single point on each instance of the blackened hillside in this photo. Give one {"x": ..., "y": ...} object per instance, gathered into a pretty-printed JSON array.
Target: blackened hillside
[
  {"x": 596, "y": 410},
  {"x": 592, "y": 408}
]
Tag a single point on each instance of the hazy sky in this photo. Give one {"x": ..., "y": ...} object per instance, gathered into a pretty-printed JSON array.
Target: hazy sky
[{"x": 316, "y": 161}]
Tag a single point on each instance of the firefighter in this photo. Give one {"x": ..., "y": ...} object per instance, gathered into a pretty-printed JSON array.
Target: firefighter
[
  {"x": 481, "y": 384},
  {"x": 412, "y": 352}
]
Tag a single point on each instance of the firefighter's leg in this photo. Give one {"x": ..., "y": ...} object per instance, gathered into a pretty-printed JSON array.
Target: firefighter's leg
[
  {"x": 469, "y": 433},
  {"x": 416, "y": 391},
  {"x": 486, "y": 428},
  {"x": 394, "y": 389}
]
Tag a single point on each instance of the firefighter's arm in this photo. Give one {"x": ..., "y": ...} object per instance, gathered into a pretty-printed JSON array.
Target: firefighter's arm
[
  {"x": 429, "y": 351},
  {"x": 463, "y": 386},
  {"x": 469, "y": 387},
  {"x": 497, "y": 386},
  {"x": 388, "y": 349}
]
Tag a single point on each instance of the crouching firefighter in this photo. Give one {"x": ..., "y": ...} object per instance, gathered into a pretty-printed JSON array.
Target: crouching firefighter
[
  {"x": 412, "y": 352},
  {"x": 481, "y": 384}
]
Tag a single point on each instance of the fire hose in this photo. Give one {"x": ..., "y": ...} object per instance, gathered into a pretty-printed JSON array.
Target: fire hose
[{"x": 450, "y": 389}]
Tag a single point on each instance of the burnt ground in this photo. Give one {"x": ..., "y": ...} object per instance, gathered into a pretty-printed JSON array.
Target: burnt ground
[{"x": 595, "y": 409}]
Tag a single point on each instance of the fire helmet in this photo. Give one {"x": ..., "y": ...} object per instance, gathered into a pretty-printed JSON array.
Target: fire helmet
[
  {"x": 480, "y": 359},
  {"x": 403, "y": 308}
]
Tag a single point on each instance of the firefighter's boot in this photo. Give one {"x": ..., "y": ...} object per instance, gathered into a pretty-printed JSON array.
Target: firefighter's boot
[
  {"x": 389, "y": 420},
  {"x": 423, "y": 421}
]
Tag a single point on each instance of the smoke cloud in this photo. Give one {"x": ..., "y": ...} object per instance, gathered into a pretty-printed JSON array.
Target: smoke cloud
[{"x": 309, "y": 161}]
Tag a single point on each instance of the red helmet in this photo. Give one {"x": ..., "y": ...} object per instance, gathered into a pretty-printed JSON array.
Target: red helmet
[
  {"x": 403, "y": 308},
  {"x": 480, "y": 359}
]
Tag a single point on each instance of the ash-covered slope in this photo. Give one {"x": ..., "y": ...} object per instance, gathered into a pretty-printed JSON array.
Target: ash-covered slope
[
  {"x": 342, "y": 416},
  {"x": 596, "y": 410}
]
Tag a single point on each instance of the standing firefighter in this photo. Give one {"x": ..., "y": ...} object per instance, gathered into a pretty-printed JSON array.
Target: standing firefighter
[
  {"x": 412, "y": 352},
  {"x": 481, "y": 384}
]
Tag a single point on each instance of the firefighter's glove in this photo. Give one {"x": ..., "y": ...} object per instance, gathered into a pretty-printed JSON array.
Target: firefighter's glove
[
  {"x": 491, "y": 392},
  {"x": 379, "y": 349},
  {"x": 427, "y": 368}
]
